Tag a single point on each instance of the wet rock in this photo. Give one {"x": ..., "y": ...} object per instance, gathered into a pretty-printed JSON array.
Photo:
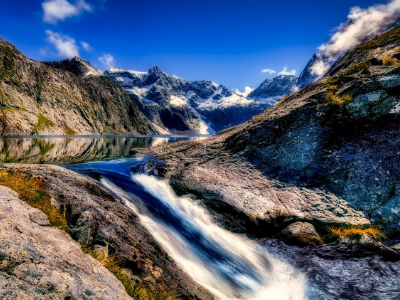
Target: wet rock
[
  {"x": 334, "y": 275},
  {"x": 301, "y": 234}
]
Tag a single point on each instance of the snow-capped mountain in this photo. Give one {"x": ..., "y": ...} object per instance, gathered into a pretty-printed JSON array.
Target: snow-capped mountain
[
  {"x": 178, "y": 105},
  {"x": 274, "y": 89}
]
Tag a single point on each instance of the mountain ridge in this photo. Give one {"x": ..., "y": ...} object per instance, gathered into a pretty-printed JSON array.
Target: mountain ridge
[
  {"x": 37, "y": 98},
  {"x": 200, "y": 106}
]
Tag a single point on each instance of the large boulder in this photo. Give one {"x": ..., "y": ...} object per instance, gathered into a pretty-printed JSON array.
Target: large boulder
[{"x": 43, "y": 262}]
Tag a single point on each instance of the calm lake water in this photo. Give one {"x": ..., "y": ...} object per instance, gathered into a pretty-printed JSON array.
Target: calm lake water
[{"x": 77, "y": 149}]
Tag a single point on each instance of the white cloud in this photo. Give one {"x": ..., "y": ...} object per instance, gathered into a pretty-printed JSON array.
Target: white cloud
[
  {"x": 247, "y": 91},
  {"x": 286, "y": 72},
  {"x": 107, "y": 60},
  {"x": 65, "y": 45},
  {"x": 361, "y": 23},
  {"x": 59, "y": 10},
  {"x": 320, "y": 68},
  {"x": 86, "y": 46},
  {"x": 269, "y": 71}
]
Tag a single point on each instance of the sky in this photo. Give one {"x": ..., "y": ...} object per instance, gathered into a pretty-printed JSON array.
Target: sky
[{"x": 236, "y": 43}]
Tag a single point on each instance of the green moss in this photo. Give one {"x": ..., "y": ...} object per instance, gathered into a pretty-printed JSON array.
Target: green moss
[
  {"x": 333, "y": 99},
  {"x": 33, "y": 191},
  {"x": 42, "y": 123},
  {"x": 69, "y": 131}
]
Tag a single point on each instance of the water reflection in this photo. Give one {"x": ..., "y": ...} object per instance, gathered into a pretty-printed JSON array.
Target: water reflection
[{"x": 70, "y": 150}]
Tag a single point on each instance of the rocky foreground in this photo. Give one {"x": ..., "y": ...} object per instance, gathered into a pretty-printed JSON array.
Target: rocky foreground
[{"x": 99, "y": 246}]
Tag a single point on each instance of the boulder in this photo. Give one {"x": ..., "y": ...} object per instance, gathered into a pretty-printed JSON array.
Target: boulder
[
  {"x": 301, "y": 234},
  {"x": 389, "y": 81}
]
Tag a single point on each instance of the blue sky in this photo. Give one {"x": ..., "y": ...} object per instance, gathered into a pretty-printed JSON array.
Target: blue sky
[{"x": 229, "y": 42}]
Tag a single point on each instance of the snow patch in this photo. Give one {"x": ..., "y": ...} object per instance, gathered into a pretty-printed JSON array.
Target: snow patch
[{"x": 177, "y": 101}]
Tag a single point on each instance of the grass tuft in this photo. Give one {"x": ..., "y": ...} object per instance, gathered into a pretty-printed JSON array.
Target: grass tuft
[
  {"x": 390, "y": 61},
  {"x": 332, "y": 99},
  {"x": 42, "y": 123},
  {"x": 135, "y": 290},
  {"x": 355, "y": 232},
  {"x": 69, "y": 131},
  {"x": 33, "y": 191}
]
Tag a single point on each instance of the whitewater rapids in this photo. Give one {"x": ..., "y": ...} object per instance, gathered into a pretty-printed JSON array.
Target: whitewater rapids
[{"x": 229, "y": 265}]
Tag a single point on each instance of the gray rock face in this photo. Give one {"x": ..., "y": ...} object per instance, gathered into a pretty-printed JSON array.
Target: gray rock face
[
  {"x": 315, "y": 69},
  {"x": 76, "y": 65},
  {"x": 45, "y": 263},
  {"x": 72, "y": 99},
  {"x": 333, "y": 275}
]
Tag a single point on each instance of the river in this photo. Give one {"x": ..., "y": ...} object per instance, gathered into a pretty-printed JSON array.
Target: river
[{"x": 229, "y": 265}]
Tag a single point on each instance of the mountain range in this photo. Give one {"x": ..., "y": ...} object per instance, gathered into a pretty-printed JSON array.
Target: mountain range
[{"x": 205, "y": 107}]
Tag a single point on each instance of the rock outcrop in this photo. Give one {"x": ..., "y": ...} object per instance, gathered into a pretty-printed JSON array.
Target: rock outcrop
[
  {"x": 68, "y": 97},
  {"x": 328, "y": 154},
  {"x": 40, "y": 262}
]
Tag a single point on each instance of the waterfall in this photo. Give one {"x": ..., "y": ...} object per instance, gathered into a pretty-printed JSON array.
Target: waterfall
[{"x": 229, "y": 265}]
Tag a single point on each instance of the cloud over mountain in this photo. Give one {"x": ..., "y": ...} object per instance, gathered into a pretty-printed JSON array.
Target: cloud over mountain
[{"x": 65, "y": 45}]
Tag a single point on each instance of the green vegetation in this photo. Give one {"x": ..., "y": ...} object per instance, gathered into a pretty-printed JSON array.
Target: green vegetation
[
  {"x": 136, "y": 291},
  {"x": 69, "y": 131},
  {"x": 333, "y": 99},
  {"x": 356, "y": 232},
  {"x": 42, "y": 123},
  {"x": 33, "y": 191}
]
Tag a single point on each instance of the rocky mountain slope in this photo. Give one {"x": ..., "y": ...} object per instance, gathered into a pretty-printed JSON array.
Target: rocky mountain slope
[
  {"x": 68, "y": 97},
  {"x": 178, "y": 105},
  {"x": 327, "y": 154},
  {"x": 322, "y": 61}
]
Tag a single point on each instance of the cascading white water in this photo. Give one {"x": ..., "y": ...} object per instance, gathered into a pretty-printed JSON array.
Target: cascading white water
[{"x": 228, "y": 265}]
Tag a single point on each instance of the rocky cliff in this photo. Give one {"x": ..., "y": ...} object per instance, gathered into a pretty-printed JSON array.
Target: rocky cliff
[
  {"x": 68, "y": 97},
  {"x": 327, "y": 154}
]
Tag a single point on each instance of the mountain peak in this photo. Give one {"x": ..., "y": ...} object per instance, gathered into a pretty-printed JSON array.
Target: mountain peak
[
  {"x": 76, "y": 65},
  {"x": 155, "y": 70},
  {"x": 275, "y": 87}
]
